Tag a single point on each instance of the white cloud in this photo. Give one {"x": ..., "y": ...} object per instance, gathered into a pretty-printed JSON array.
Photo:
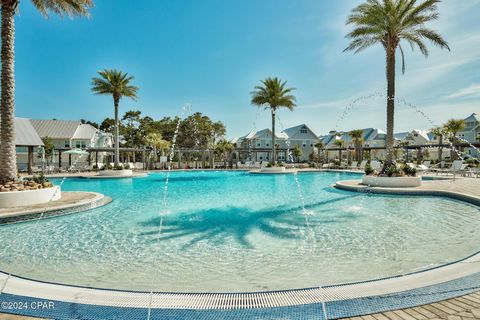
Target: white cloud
[{"x": 470, "y": 91}]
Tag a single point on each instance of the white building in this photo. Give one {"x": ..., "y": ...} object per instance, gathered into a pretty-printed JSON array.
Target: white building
[
  {"x": 64, "y": 134},
  {"x": 471, "y": 133},
  {"x": 256, "y": 145},
  {"x": 371, "y": 137}
]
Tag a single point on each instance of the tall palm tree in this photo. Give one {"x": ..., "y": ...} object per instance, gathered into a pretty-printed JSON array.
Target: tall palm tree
[
  {"x": 273, "y": 95},
  {"x": 8, "y": 159},
  {"x": 452, "y": 127},
  {"x": 357, "y": 137},
  {"x": 389, "y": 22},
  {"x": 117, "y": 84}
]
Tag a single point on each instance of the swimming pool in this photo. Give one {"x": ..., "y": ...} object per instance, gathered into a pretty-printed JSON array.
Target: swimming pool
[{"x": 236, "y": 232}]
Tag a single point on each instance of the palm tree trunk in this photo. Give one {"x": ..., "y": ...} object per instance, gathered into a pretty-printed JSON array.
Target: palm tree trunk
[
  {"x": 117, "y": 144},
  {"x": 8, "y": 157},
  {"x": 390, "y": 104},
  {"x": 273, "y": 137}
]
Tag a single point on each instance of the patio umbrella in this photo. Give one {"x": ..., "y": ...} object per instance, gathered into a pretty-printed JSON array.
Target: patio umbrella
[{"x": 76, "y": 151}]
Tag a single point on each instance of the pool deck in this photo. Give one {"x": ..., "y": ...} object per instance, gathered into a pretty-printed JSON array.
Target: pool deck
[
  {"x": 69, "y": 203},
  {"x": 466, "y": 189}
]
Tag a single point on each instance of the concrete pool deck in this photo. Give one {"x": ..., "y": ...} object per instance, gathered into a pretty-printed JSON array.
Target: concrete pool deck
[
  {"x": 466, "y": 189},
  {"x": 69, "y": 203},
  {"x": 394, "y": 298}
]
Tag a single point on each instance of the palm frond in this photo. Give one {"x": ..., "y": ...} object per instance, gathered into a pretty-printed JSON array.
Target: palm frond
[
  {"x": 273, "y": 94},
  {"x": 388, "y": 22},
  {"x": 115, "y": 83},
  {"x": 63, "y": 7}
]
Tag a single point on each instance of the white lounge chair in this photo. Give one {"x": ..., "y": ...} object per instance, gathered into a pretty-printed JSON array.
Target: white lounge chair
[
  {"x": 423, "y": 168},
  {"x": 457, "y": 167},
  {"x": 362, "y": 165}
]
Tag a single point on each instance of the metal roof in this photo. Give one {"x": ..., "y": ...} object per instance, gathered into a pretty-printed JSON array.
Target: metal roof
[
  {"x": 56, "y": 129},
  {"x": 25, "y": 134},
  {"x": 85, "y": 132}
]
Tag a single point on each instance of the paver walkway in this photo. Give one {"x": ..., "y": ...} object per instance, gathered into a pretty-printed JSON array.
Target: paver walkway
[{"x": 462, "y": 308}]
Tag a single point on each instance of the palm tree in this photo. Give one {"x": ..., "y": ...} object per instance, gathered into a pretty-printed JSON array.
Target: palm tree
[
  {"x": 273, "y": 95},
  {"x": 319, "y": 145},
  {"x": 388, "y": 22},
  {"x": 297, "y": 152},
  {"x": 357, "y": 137},
  {"x": 117, "y": 84},
  {"x": 8, "y": 158},
  {"x": 339, "y": 143},
  {"x": 155, "y": 140},
  {"x": 439, "y": 132},
  {"x": 224, "y": 149},
  {"x": 452, "y": 127}
]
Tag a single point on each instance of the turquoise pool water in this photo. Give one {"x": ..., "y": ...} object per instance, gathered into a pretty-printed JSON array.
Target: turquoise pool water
[{"x": 232, "y": 231}]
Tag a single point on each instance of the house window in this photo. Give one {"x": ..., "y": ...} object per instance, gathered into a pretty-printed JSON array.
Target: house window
[
  {"x": 258, "y": 144},
  {"x": 81, "y": 144},
  {"x": 268, "y": 144},
  {"x": 66, "y": 144},
  {"x": 303, "y": 130}
]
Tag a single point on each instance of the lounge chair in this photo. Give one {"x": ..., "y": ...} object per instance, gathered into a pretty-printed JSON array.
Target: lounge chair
[
  {"x": 362, "y": 165},
  {"x": 457, "y": 167},
  {"x": 423, "y": 168},
  {"x": 472, "y": 172},
  {"x": 426, "y": 163}
]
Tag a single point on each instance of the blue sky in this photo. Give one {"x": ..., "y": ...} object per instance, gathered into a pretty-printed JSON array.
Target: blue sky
[{"x": 211, "y": 53}]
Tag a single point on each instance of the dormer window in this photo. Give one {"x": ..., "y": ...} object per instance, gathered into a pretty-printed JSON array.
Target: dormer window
[{"x": 303, "y": 130}]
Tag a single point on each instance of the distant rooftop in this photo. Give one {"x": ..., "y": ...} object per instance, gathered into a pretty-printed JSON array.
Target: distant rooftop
[
  {"x": 56, "y": 129},
  {"x": 25, "y": 133}
]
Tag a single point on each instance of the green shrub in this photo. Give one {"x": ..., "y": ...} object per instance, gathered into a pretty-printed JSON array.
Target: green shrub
[
  {"x": 392, "y": 170},
  {"x": 39, "y": 179},
  {"x": 269, "y": 165},
  {"x": 472, "y": 161},
  {"x": 118, "y": 167},
  {"x": 280, "y": 164},
  {"x": 126, "y": 166},
  {"x": 368, "y": 169},
  {"x": 409, "y": 171}
]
